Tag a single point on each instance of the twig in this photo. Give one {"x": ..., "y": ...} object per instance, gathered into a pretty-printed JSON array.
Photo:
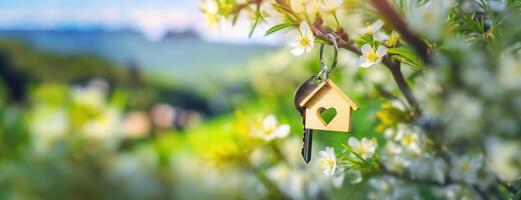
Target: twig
[
  {"x": 395, "y": 69},
  {"x": 384, "y": 93},
  {"x": 385, "y": 9}
]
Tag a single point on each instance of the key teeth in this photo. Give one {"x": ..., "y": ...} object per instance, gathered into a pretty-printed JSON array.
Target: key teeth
[
  {"x": 302, "y": 151},
  {"x": 306, "y": 148},
  {"x": 305, "y": 155}
]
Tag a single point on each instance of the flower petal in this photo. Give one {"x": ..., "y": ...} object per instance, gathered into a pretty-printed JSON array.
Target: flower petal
[
  {"x": 380, "y": 36},
  {"x": 360, "y": 31},
  {"x": 331, "y": 151},
  {"x": 376, "y": 25},
  {"x": 381, "y": 51},
  {"x": 367, "y": 64},
  {"x": 338, "y": 178},
  {"x": 322, "y": 153},
  {"x": 311, "y": 40},
  {"x": 293, "y": 35},
  {"x": 360, "y": 60},
  {"x": 270, "y": 122},
  {"x": 353, "y": 142},
  {"x": 304, "y": 28},
  {"x": 354, "y": 176},
  {"x": 281, "y": 131},
  {"x": 366, "y": 48},
  {"x": 298, "y": 51}
]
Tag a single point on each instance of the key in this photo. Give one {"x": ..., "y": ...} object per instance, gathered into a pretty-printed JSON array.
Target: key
[{"x": 302, "y": 91}]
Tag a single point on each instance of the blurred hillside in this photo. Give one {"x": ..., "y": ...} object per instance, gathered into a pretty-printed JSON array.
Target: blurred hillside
[
  {"x": 181, "y": 58},
  {"x": 22, "y": 67}
]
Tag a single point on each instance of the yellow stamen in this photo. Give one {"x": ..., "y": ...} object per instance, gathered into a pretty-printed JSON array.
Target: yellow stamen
[
  {"x": 327, "y": 163},
  {"x": 393, "y": 40},
  {"x": 371, "y": 56},
  {"x": 464, "y": 167},
  {"x": 304, "y": 41},
  {"x": 362, "y": 150},
  {"x": 428, "y": 17},
  {"x": 408, "y": 139}
]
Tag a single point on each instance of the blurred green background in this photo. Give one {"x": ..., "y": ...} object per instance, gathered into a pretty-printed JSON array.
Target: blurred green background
[{"x": 110, "y": 101}]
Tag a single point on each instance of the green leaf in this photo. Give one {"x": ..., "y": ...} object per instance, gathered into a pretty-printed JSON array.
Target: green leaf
[
  {"x": 407, "y": 56},
  {"x": 234, "y": 19},
  {"x": 253, "y": 26},
  {"x": 258, "y": 16},
  {"x": 289, "y": 15},
  {"x": 278, "y": 28},
  {"x": 350, "y": 150}
]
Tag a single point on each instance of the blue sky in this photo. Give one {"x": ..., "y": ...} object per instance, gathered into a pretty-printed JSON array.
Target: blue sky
[{"x": 151, "y": 17}]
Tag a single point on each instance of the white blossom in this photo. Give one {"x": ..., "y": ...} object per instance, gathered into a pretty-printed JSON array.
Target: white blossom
[
  {"x": 328, "y": 161},
  {"x": 47, "y": 125},
  {"x": 271, "y": 129},
  {"x": 303, "y": 41},
  {"x": 465, "y": 168},
  {"x": 393, "y": 159},
  {"x": 430, "y": 18},
  {"x": 380, "y": 36},
  {"x": 485, "y": 178},
  {"x": 371, "y": 56},
  {"x": 338, "y": 178},
  {"x": 365, "y": 148},
  {"x": 330, "y": 6},
  {"x": 503, "y": 154},
  {"x": 462, "y": 109},
  {"x": 429, "y": 168},
  {"x": 298, "y": 183},
  {"x": 389, "y": 188},
  {"x": 308, "y": 7},
  {"x": 453, "y": 192},
  {"x": 498, "y": 5},
  {"x": 354, "y": 176},
  {"x": 409, "y": 140},
  {"x": 210, "y": 9},
  {"x": 371, "y": 29}
]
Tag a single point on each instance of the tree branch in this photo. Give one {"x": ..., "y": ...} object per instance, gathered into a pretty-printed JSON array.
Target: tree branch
[
  {"x": 391, "y": 16},
  {"x": 343, "y": 42},
  {"x": 394, "y": 67}
]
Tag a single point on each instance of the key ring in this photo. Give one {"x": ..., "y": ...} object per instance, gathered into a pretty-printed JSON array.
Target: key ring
[{"x": 324, "y": 71}]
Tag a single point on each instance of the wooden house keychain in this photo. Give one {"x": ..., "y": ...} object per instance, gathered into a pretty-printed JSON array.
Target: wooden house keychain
[{"x": 319, "y": 95}]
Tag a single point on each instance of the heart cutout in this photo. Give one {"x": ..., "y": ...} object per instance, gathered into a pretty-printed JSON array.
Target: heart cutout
[{"x": 326, "y": 115}]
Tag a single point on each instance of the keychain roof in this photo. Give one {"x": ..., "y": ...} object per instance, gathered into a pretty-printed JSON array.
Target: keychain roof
[
  {"x": 325, "y": 82},
  {"x": 325, "y": 86}
]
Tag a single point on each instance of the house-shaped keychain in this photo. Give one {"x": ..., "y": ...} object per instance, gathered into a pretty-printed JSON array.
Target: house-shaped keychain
[{"x": 327, "y": 96}]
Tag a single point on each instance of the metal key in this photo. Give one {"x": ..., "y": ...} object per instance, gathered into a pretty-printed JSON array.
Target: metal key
[{"x": 302, "y": 91}]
